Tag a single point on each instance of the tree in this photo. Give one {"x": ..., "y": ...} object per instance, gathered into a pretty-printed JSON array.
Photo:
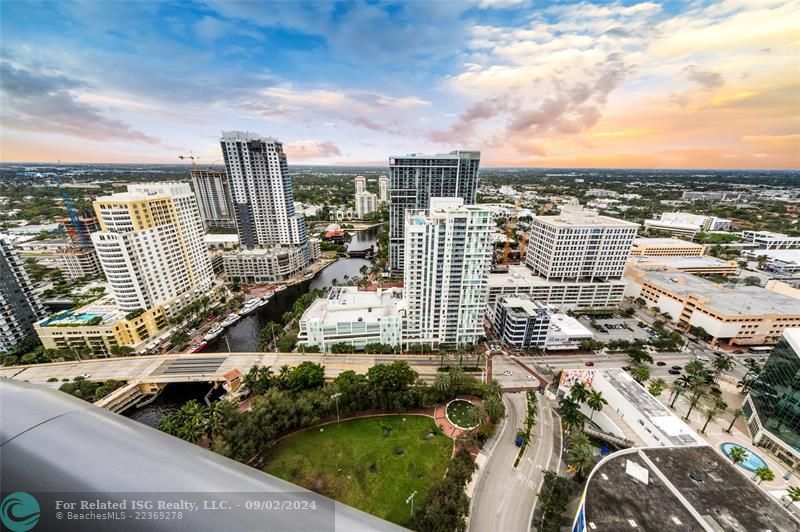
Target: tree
[
  {"x": 764, "y": 473},
  {"x": 268, "y": 336},
  {"x": 494, "y": 407},
  {"x": 697, "y": 396},
  {"x": 737, "y": 455},
  {"x": 720, "y": 364},
  {"x": 793, "y": 492},
  {"x": 713, "y": 410},
  {"x": 595, "y": 401},
  {"x": 554, "y": 496},
  {"x": 694, "y": 367},
  {"x": 657, "y": 386},
  {"x": 305, "y": 376},
  {"x": 640, "y": 373},
  {"x": 579, "y": 392},
  {"x": 179, "y": 338},
  {"x": 737, "y": 413},
  {"x": 581, "y": 458},
  {"x": 570, "y": 413}
]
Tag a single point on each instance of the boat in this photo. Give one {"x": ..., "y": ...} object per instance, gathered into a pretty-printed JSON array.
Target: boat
[
  {"x": 281, "y": 287},
  {"x": 230, "y": 320},
  {"x": 213, "y": 332},
  {"x": 196, "y": 348},
  {"x": 249, "y": 306},
  {"x": 264, "y": 301}
]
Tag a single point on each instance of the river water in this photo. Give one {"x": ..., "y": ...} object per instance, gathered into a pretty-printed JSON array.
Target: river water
[{"x": 243, "y": 336}]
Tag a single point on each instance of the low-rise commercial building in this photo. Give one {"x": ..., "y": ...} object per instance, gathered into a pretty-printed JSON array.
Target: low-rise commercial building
[
  {"x": 736, "y": 315},
  {"x": 220, "y": 241},
  {"x": 770, "y": 240},
  {"x": 314, "y": 249},
  {"x": 357, "y": 318},
  {"x": 264, "y": 265},
  {"x": 666, "y": 247},
  {"x": 524, "y": 323},
  {"x": 687, "y": 224},
  {"x": 779, "y": 261},
  {"x": 704, "y": 265},
  {"x": 772, "y": 406}
]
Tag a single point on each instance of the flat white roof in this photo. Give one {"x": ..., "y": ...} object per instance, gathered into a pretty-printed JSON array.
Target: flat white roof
[
  {"x": 221, "y": 238},
  {"x": 574, "y": 215},
  {"x": 519, "y": 275},
  {"x": 349, "y": 304},
  {"x": 683, "y": 262},
  {"x": 665, "y": 243},
  {"x": 568, "y": 326}
]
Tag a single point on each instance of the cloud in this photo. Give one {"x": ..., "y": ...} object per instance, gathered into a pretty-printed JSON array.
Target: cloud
[
  {"x": 704, "y": 78},
  {"x": 311, "y": 149},
  {"x": 34, "y": 101}
]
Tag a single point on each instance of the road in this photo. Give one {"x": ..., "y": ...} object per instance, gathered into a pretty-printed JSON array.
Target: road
[
  {"x": 140, "y": 367},
  {"x": 505, "y": 496}
]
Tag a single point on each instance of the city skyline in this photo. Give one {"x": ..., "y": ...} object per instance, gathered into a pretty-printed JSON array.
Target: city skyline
[{"x": 704, "y": 85}]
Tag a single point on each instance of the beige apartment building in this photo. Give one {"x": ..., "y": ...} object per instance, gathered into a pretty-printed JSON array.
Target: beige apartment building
[{"x": 666, "y": 247}]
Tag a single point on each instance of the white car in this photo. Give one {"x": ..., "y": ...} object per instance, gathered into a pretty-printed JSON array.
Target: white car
[
  {"x": 508, "y": 373},
  {"x": 529, "y": 378},
  {"x": 86, "y": 375},
  {"x": 702, "y": 358}
]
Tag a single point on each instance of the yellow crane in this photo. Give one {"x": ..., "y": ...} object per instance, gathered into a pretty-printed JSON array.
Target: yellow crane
[{"x": 510, "y": 226}]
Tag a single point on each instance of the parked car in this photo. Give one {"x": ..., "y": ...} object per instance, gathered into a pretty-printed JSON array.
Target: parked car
[
  {"x": 702, "y": 358},
  {"x": 589, "y": 363},
  {"x": 677, "y": 368},
  {"x": 738, "y": 352},
  {"x": 717, "y": 354},
  {"x": 529, "y": 377},
  {"x": 626, "y": 368},
  {"x": 661, "y": 363},
  {"x": 748, "y": 359},
  {"x": 674, "y": 372}
]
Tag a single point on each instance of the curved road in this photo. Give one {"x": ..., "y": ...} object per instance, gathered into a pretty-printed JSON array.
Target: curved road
[{"x": 504, "y": 496}]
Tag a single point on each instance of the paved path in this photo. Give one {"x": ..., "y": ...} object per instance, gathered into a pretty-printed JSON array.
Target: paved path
[{"x": 504, "y": 496}]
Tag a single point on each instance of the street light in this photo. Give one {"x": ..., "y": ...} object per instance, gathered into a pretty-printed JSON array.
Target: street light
[
  {"x": 410, "y": 499},
  {"x": 336, "y": 397}
]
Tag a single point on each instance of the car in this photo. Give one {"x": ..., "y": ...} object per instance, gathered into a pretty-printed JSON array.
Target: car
[
  {"x": 661, "y": 363},
  {"x": 738, "y": 352},
  {"x": 529, "y": 377},
  {"x": 762, "y": 359},
  {"x": 589, "y": 363},
  {"x": 674, "y": 372},
  {"x": 626, "y": 368},
  {"x": 677, "y": 368},
  {"x": 717, "y": 354},
  {"x": 508, "y": 373},
  {"x": 716, "y": 391},
  {"x": 701, "y": 358},
  {"x": 85, "y": 375},
  {"x": 748, "y": 359}
]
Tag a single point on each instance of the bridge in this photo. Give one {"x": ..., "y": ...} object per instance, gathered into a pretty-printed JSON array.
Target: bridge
[
  {"x": 365, "y": 253},
  {"x": 147, "y": 375}
]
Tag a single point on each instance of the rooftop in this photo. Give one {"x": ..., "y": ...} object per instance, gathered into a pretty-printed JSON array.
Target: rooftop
[
  {"x": 665, "y": 243},
  {"x": 782, "y": 255},
  {"x": 568, "y": 326},
  {"x": 519, "y": 275},
  {"x": 572, "y": 215},
  {"x": 348, "y": 304},
  {"x": 678, "y": 489},
  {"x": 456, "y": 154},
  {"x": 748, "y": 300},
  {"x": 702, "y": 261},
  {"x": 246, "y": 135},
  {"x": 105, "y": 308},
  {"x": 221, "y": 238}
]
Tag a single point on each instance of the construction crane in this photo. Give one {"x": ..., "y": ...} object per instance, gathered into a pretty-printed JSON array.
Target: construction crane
[
  {"x": 73, "y": 215},
  {"x": 510, "y": 226},
  {"x": 191, "y": 157}
]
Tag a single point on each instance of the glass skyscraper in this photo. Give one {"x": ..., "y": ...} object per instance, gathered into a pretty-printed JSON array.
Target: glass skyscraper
[{"x": 773, "y": 404}]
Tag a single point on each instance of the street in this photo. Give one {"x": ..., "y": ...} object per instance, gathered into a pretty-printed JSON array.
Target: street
[{"x": 504, "y": 496}]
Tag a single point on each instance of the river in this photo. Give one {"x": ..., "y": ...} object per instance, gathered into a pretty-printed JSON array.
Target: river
[{"x": 243, "y": 336}]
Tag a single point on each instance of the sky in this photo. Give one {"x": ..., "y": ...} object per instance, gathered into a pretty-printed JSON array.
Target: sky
[{"x": 677, "y": 84}]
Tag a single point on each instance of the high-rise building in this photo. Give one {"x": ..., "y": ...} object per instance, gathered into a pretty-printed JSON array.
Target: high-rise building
[
  {"x": 361, "y": 184},
  {"x": 79, "y": 259},
  {"x": 578, "y": 244},
  {"x": 80, "y": 233},
  {"x": 261, "y": 188},
  {"x": 415, "y": 179},
  {"x": 151, "y": 245},
  {"x": 447, "y": 261},
  {"x": 366, "y": 202},
  {"x": 383, "y": 189},
  {"x": 772, "y": 408},
  {"x": 19, "y": 305},
  {"x": 213, "y": 197}
]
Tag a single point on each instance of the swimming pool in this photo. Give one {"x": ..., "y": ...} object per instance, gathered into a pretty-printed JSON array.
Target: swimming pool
[{"x": 751, "y": 463}]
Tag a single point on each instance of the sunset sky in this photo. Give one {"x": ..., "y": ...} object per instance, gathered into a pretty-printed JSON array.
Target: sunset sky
[{"x": 700, "y": 84}]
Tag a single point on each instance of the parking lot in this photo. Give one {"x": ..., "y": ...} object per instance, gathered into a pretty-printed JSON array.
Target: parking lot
[{"x": 613, "y": 327}]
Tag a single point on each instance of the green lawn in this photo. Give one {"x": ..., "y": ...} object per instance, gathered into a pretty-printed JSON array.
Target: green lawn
[
  {"x": 462, "y": 413},
  {"x": 373, "y": 464}
]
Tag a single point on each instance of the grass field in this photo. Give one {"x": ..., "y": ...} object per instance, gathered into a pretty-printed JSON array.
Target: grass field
[
  {"x": 461, "y": 413},
  {"x": 373, "y": 464}
]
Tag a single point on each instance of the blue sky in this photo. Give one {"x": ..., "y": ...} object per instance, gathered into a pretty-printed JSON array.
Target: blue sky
[{"x": 528, "y": 82}]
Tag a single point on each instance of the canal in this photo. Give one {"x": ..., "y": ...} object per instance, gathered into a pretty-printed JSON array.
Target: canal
[{"x": 243, "y": 336}]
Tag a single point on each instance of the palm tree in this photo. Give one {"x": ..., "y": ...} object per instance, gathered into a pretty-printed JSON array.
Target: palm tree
[
  {"x": 678, "y": 389},
  {"x": 657, "y": 386},
  {"x": 694, "y": 367},
  {"x": 576, "y": 439},
  {"x": 720, "y": 364},
  {"x": 494, "y": 388},
  {"x": 595, "y": 401},
  {"x": 579, "y": 392},
  {"x": 793, "y": 492},
  {"x": 737, "y": 455},
  {"x": 712, "y": 411},
  {"x": 442, "y": 383},
  {"x": 697, "y": 396},
  {"x": 570, "y": 413},
  {"x": 456, "y": 378},
  {"x": 479, "y": 415},
  {"x": 494, "y": 406},
  {"x": 640, "y": 372},
  {"x": 764, "y": 473},
  {"x": 737, "y": 413},
  {"x": 581, "y": 457}
]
